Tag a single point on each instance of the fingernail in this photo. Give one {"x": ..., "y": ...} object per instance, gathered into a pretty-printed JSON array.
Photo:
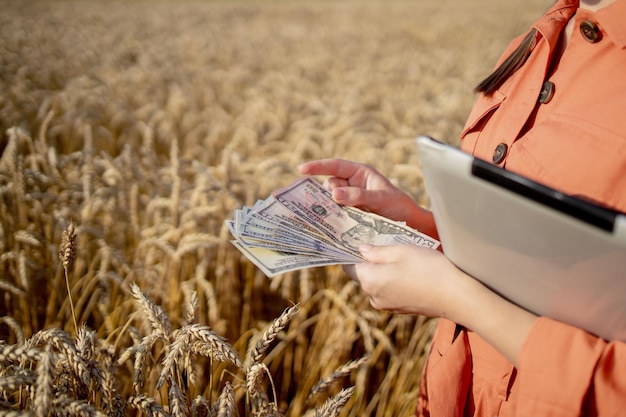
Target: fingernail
[{"x": 339, "y": 194}]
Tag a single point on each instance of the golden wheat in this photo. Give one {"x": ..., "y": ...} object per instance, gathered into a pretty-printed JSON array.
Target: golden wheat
[
  {"x": 144, "y": 126},
  {"x": 77, "y": 375}
]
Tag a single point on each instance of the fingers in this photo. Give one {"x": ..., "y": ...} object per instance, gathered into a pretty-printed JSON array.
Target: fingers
[
  {"x": 333, "y": 182},
  {"x": 335, "y": 167}
]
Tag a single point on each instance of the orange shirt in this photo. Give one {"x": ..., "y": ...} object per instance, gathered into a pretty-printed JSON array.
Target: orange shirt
[{"x": 563, "y": 124}]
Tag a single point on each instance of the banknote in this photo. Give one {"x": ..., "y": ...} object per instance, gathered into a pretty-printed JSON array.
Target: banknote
[{"x": 301, "y": 226}]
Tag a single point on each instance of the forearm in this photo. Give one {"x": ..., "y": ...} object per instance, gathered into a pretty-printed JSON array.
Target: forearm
[{"x": 502, "y": 324}]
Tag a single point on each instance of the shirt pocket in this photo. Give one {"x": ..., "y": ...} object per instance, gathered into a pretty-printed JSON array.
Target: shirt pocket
[{"x": 576, "y": 157}]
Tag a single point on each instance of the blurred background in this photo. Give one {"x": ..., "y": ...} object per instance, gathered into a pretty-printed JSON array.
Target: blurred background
[{"x": 147, "y": 122}]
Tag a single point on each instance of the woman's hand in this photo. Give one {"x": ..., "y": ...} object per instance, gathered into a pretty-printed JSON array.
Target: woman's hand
[
  {"x": 359, "y": 185},
  {"x": 411, "y": 279}
]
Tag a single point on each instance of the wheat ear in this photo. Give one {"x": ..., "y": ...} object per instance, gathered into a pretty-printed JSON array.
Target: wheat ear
[
  {"x": 67, "y": 254},
  {"x": 72, "y": 407},
  {"x": 200, "y": 407},
  {"x": 63, "y": 343},
  {"x": 270, "y": 334},
  {"x": 209, "y": 343},
  {"x": 13, "y": 382},
  {"x": 148, "y": 405},
  {"x": 226, "y": 401},
  {"x": 43, "y": 388},
  {"x": 191, "y": 308},
  {"x": 333, "y": 406},
  {"x": 112, "y": 400},
  {"x": 258, "y": 399},
  {"x": 157, "y": 317},
  {"x": 18, "y": 353},
  {"x": 341, "y": 372},
  {"x": 178, "y": 402},
  {"x": 200, "y": 339},
  {"x": 14, "y": 325}
]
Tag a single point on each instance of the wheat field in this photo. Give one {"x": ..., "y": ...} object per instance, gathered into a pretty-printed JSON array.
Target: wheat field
[{"x": 131, "y": 130}]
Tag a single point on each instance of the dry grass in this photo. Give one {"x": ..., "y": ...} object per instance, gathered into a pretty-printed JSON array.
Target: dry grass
[{"x": 137, "y": 127}]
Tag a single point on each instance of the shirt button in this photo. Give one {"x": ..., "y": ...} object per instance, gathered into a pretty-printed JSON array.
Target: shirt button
[
  {"x": 590, "y": 31},
  {"x": 547, "y": 91},
  {"x": 499, "y": 153}
]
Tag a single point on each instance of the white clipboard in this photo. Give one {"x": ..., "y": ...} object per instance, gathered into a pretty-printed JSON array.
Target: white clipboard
[{"x": 553, "y": 254}]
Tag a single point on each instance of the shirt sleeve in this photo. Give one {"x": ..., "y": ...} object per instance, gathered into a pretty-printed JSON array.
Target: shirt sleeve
[{"x": 564, "y": 370}]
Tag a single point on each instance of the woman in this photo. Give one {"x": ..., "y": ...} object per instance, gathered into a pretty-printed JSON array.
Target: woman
[{"x": 552, "y": 111}]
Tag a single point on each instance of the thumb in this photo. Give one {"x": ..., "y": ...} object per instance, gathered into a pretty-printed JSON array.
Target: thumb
[{"x": 376, "y": 254}]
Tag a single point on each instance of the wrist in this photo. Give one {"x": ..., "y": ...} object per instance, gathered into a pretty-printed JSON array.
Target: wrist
[{"x": 499, "y": 322}]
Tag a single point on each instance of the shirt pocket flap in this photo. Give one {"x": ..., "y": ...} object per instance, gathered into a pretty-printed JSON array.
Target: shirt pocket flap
[{"x": 482, "y": 110}]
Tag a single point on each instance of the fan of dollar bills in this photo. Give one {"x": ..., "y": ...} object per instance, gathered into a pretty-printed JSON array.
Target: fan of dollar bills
[{"x": 301, "y": 226}]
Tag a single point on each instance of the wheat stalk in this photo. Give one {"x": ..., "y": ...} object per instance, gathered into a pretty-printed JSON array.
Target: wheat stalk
[
  {"x": 43, "y": 129},
  {"x": 67, "y": 254},
  {"x": 25, "y": 236},
  {"x": 87, "y": 167},
  {"x": 21, "y": 270},
  {"x": 85, "y": 343},
  {"x": 86, "y": 350},
  {"x": 9, "y": 287}
]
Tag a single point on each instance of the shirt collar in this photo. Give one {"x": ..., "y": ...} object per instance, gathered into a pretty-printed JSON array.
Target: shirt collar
[
  {"x": 552, "y": 23},
  {"x": 611, "y": 19}
]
